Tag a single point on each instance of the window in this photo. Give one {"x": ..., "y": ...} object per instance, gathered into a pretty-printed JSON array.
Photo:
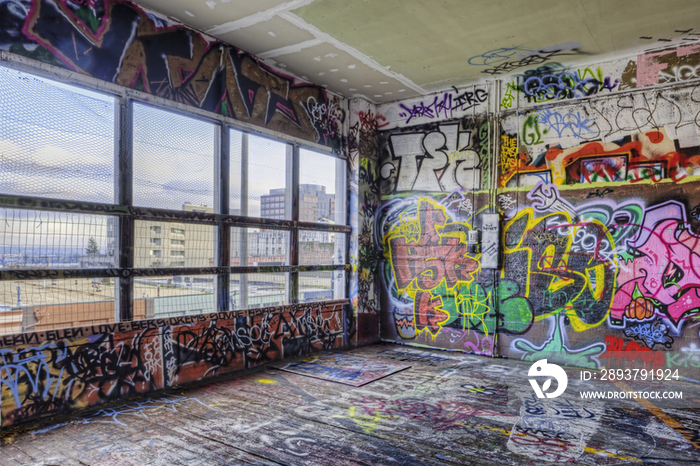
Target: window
[
  {"x": 322, "y": 186},
  {"x": 256, "y": 290},
  {"x": 173, "y": 159},
  {"x": 66, "y": 142},
  {"x": 269, "y": 177},
  {"x": 56, "y": 141}
]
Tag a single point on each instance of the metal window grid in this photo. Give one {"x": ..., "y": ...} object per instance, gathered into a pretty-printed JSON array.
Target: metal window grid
[{"x": 126, "y": 215}]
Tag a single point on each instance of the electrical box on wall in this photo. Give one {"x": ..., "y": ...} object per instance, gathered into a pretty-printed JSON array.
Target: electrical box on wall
[
  {"x": 490, "y": 238},
  {"x": 473, "y": 241}
]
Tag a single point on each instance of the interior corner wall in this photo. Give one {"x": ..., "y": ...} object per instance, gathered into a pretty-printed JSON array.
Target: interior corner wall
[
  {"x": 363, "y": 153},
  {"x": 597, "y": 182}
]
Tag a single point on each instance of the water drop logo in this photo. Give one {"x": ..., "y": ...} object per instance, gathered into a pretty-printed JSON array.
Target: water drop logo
[{"x": 542, "y": 369}]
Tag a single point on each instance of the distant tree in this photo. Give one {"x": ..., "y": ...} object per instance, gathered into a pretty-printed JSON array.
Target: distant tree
[{"x": 92, "y": 247}]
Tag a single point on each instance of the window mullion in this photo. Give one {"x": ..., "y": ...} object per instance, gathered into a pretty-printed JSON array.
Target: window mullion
[
  {"x": 222, "y": 172},
  {"x": 243, "y": 281},
  {"x": 124, "y": 174},
  {"x": 294, "y": 240}
]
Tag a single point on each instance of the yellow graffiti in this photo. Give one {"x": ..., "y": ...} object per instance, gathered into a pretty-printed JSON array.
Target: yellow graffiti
[
  {"x": 471, "y": 307},
  {"x": 509, "y": 152},
  {"x": 461, "y": 303},
  {"x": 367, "y": 423},
  {"x": 409, "y": 227}
]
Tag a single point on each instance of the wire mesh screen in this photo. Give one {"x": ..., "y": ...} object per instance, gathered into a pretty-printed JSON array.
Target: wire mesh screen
[
  {"x": 159, "y": 297},
  {"x": 38, "y": 305},
  {"x": 253, "y": 247},
  {"x": 173, "y": 244},
  {"x": 321, "y": 247},
  {"x": 56, "y": 140},
  {"x": 32, "y": 239},
  {"x": 269, "y": 177},
  {"x": 173, "y": 160},
  {"x": 254, "y": 290},
  {"x": 321, "y": 188},
  {"x": 321, "y": 286}
]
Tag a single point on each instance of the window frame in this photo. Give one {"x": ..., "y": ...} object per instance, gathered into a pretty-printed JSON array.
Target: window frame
[{"x": 126, "y": 213}]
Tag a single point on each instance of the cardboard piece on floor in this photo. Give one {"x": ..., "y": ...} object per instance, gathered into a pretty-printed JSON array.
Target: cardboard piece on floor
[{"x": 343, "y": 368}]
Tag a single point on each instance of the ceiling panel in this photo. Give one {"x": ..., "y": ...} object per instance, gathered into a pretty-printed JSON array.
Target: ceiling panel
[
  {"x": 327, "y": 65},
  {"x": 438, "y": 44},
  {"x": 267, "y": 35},
  {"x": 204, "y": 14}
]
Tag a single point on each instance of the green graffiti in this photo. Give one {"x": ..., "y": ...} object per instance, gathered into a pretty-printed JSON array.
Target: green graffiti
[
  {"x": 508, "y": 97},
  {"x": 514, "y": 312},
  {"x": 556, "y": 351},
  {"x": 531, "y": 131},
  {"x": 484, "y": 152}
]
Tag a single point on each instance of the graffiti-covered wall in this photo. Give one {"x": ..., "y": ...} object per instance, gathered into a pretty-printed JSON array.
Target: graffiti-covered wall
[
  {"x": 596, "y": 185},
  {"x": 433, "y": 181},
  {"x": 118, "y": 42},
  {"x": 46, "y": 373}
]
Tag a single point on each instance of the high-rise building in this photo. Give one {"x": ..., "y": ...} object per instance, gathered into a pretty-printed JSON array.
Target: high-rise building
[
  {"x": 273, "y": 205},
  {"x": 315, "y": 205},
  {"x": 169, "y": 244}
]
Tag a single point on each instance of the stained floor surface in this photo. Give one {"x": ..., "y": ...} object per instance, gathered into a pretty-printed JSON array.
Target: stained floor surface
[{"x": 447, "y": 408}]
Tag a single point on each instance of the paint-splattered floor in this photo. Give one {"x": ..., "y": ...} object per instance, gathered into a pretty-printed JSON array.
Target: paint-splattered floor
[{"x": 447, "y": 408}]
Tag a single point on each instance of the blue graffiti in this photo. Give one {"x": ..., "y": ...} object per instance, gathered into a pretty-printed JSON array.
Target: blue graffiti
[
  {"x": 567, "y": 85},
  {"x": 497, "y": 56},
  {"x": 572, "y": 122},
  {"x": 651, "y": 333},
  {"x": 31, "y": 366}
]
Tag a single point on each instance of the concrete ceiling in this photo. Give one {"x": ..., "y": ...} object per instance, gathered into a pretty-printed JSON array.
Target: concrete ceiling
[{"x": 385, "y": 50}]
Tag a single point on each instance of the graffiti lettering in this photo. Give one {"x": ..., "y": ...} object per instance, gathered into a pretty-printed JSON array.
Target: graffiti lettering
[
  {"x": 561, "y": 123},
  {"x": 444, "y": 106},
  {"x": 436, "y": 161}
]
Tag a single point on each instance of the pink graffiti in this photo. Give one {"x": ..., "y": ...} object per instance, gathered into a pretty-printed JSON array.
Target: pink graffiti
[
  {"x": 648, "y": 66},
  {"x": 668, "y": 271}
]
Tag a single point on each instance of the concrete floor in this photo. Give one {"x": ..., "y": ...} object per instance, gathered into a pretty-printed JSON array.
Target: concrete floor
[{"x": 447, "y": 408}]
